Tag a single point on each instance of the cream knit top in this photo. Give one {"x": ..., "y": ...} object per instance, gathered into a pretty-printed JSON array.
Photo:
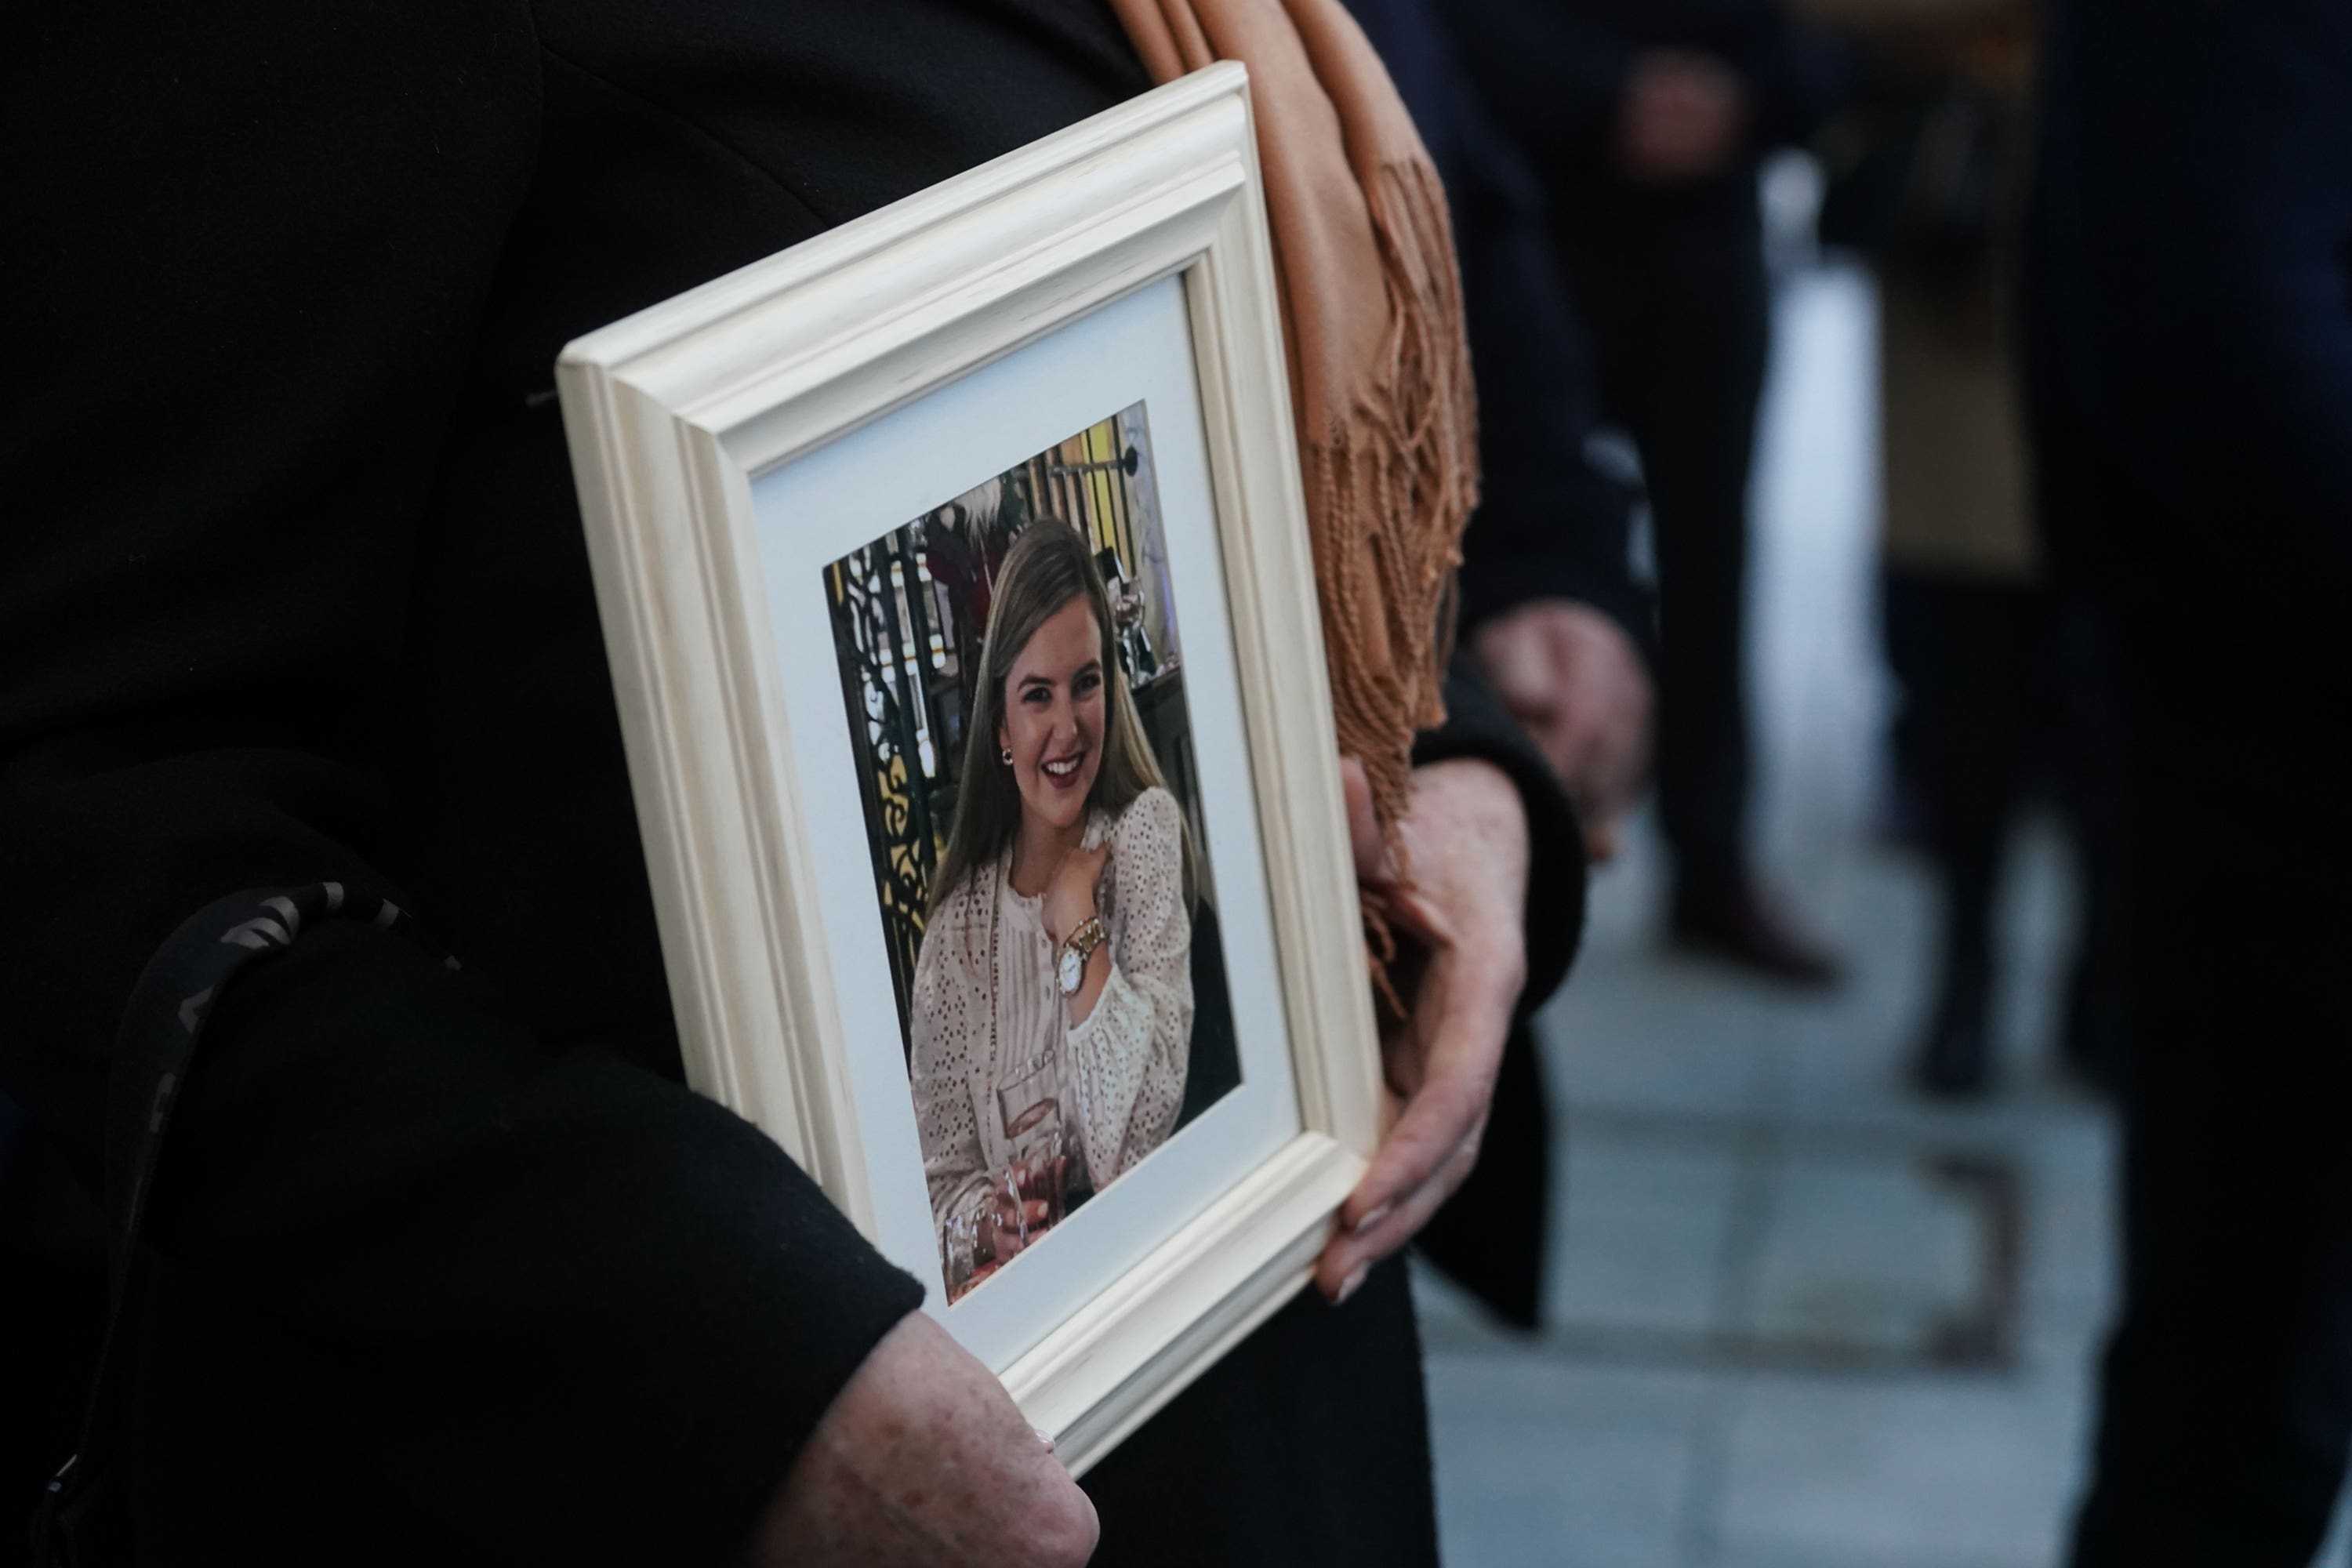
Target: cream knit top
[{"x": 1121, "y": 1072}]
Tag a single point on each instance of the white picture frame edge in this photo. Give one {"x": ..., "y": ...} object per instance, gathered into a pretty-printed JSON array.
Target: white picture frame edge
[{"x": 671, "y": 414}]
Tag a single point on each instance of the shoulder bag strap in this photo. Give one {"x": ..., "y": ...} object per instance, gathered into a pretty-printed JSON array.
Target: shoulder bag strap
[{"x": 175, "y": 995}]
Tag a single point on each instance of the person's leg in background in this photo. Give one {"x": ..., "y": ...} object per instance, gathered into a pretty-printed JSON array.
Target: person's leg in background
[
  {"x": 2191, "y": 417},
  {"x": 1966, "y": 654},
  {"x": 2089, "y": 763},
  {"x": 2227, "y": 1412},
  {"x": 1674, "y": 291}
]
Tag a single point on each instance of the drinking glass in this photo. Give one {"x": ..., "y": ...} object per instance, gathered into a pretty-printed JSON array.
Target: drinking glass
[{"x": 1031, "y": 1105}]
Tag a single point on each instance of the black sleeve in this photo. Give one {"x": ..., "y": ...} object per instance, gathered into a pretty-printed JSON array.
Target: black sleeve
[
  {"x": 1550, "y": 523},
  {"x": 1797, "y": 76},
  {"x": 1552, "y": 77},
  {"x": 553, "y": 1307},
  {"x": 2192, "y": 263},
  {"x": 1477, "y": 726}
]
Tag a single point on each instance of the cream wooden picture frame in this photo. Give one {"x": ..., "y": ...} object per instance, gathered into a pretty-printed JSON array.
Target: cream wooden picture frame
[{"x": 676, "y": 417}]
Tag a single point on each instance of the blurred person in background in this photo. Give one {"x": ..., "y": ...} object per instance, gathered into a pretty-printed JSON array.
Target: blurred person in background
[
  {"x": 1926, "y": 179},
  {"x": 1561, "y": 630},
  {"x": 2188, "y": 311},
  {"x": 1645, "y": 119}
]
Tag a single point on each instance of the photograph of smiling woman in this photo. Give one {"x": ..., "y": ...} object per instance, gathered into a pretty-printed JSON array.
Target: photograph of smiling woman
[{"x": 1053, "y": 999}]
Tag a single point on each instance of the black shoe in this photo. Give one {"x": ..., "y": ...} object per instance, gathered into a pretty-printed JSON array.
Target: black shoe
[
  {"x": 1956, "y": 1059},
  {"x": 1726, "y": 919}
]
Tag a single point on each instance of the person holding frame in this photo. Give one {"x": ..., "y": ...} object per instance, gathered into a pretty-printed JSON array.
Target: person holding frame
[{"x": 445, "y": 1264}]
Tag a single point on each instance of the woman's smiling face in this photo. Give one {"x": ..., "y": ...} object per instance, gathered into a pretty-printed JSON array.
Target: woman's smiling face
[{"x": 1052, "y": 725}]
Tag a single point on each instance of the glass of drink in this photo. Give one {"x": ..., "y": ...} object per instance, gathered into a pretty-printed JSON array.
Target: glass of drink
[{"x": 1031, "y": 1105}]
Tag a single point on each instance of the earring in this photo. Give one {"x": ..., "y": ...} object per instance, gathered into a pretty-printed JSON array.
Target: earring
[{"x": 1008, "y": 757}]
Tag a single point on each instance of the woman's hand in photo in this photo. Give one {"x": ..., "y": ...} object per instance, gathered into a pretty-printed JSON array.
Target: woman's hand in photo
[
  {"x": 1007, "y": 1227},
  {"x": 1462, "y": 959},
  {"x": 1013, "y": 1217},
  {"x": 1070, "y": 896}
]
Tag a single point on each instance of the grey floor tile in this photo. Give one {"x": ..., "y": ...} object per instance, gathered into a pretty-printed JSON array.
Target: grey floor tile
[
  {"x": 1874, "y": 1253},
  {"x": 1658, "y": 1059},
  {"x": 1548, "y": 1464},
  {"x": 1911, "y": 1470},
  {"x": 1639, "y": 1244},
  {"x": 1640, "y": 1031},
  {"x": 1816, "y": 1556},
  {"x": 1530, "y": 1386},
  {"x": 1508, "y": 1500},
  {"x": 2071, "y": 1254}
]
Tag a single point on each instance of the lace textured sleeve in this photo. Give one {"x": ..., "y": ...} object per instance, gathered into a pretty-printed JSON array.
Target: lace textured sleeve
[
  {"x": 1127, "y": 1059},
  {"x": 948, "y": 1035}
]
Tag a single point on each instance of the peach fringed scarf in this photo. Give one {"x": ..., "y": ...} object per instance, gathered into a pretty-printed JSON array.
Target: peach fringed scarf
[{"x": 1380, "y": 372}]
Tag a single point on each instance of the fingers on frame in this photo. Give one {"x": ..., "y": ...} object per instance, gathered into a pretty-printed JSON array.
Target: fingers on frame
[
  {"x": 1399, "y": 1222},
  {"x": 1435, "y": 1125}
]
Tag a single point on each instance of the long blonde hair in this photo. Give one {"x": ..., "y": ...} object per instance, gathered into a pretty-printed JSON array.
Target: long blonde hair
[{"x": 1049, "y": 565}]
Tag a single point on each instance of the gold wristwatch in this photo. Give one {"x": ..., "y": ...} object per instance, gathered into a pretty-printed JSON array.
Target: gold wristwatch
[{"x": 1076, "y": 948}]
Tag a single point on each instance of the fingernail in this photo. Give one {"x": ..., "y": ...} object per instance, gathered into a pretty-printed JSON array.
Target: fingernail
[
  {"x": 1043, "y": 1436},
  {"x": 1350, "y": 1285},
  {"x": 1372, "y": 1217}
]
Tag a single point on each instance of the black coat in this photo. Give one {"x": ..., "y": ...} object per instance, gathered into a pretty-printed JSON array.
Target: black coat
[
  {"x": 292, "y": 587},
  {"x": 2189, "y": 345},
  {"x": 1554, "y": 71},
  {"x": 1551, "y": 523},
  {"x": 2190, "y": 312}
]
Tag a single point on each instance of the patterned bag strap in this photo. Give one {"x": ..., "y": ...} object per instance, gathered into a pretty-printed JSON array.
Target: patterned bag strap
[{"x": 169, "y": 1007}]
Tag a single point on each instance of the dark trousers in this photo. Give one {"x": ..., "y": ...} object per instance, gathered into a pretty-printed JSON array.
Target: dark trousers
[
  {"x": 1335, "y": 1470},
  {"x": 1967, "y": 655},
  {"x": 2005, "y": 685},
  {"x": 2227, "y": 1409},
  {"x": 1674, "y": 294}
]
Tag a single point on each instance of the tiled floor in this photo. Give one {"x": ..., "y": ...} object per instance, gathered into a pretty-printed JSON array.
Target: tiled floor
[
  {"x": 1797, "y": 1318},
  {"x": 1780, "y": 1333}
]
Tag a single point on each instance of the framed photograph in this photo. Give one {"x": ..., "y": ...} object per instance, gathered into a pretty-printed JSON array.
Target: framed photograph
[{"x": 956, "y": 580}]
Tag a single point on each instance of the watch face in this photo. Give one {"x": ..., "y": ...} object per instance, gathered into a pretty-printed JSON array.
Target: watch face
[{"x": 1074, "y": 970}]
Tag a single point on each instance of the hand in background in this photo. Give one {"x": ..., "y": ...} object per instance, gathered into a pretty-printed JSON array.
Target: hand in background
[
  {"x": 1684, "y": 116},
  {"x": 923, "y": 1459},
  {"x": 1573, "y": 678},
  {"x": 1461, "y": 962}
]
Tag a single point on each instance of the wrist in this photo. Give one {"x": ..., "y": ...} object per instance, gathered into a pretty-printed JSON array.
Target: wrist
[
  {"x": 1062, "y": 922},
  {"x": 1475, "y": 798},
  {"x": 1075, "y": 962},
  {"x": 1470, "y": 816}
]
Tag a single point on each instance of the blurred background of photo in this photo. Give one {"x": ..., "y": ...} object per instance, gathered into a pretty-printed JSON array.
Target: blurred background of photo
[{"x": 910, "y": 612}]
